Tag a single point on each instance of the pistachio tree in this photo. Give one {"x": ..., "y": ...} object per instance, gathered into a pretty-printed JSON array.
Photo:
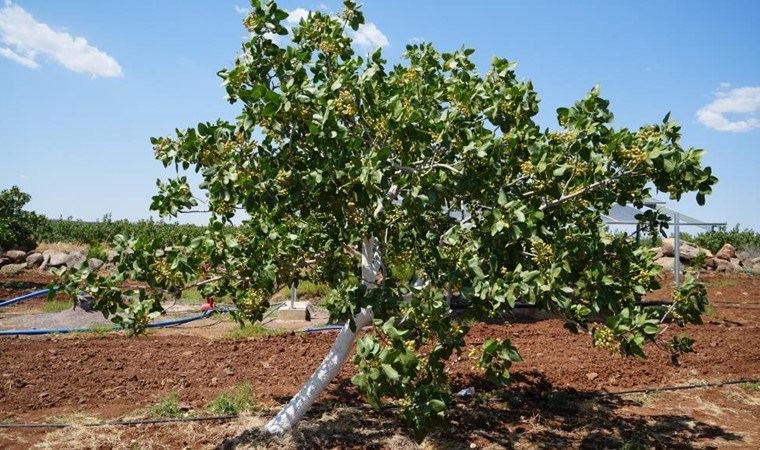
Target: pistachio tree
[{"x": 400, "y": 186}]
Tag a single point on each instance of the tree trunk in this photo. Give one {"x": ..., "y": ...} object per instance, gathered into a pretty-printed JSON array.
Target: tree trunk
[{"x": 328, "y": 369}]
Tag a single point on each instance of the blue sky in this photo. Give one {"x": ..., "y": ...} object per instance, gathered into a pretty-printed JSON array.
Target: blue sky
[{"x": 85, "y": 84}]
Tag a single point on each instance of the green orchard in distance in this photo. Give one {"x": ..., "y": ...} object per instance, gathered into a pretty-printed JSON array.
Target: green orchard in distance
[
  {"x": 445, "y": 169},
  {"x": 18, "y": 228}
]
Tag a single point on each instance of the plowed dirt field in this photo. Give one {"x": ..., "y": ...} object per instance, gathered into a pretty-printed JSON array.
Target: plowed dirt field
[{"x": 565, "y": 394}]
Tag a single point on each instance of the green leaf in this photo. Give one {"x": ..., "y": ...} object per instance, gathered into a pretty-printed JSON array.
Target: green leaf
[
  {"x": 390, "y": 372},
  {"x": 270, "y": 109},
  {"x": 437, "y": 405}
]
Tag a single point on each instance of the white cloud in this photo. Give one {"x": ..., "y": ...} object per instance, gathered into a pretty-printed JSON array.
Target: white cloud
[
  {"x": 27, "y": 40},
  {"x": 292, "y": 20},
  {"x": 13, "y": 56},
  {"x": 296, "y": 15},
  {"x": 242, "y": 11},
  {"x": 416, "y": 40},
  {"x": 369, "y": 37},
  {"x": 743, "y": 100}
]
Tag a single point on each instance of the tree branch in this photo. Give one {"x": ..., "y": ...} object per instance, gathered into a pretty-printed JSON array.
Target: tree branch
[{"x": 590, "y": 188}]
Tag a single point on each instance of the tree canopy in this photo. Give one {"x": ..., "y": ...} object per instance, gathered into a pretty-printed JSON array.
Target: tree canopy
[
  {"x": 18, "y": 228},
  {"x": 445, "y": 170}
]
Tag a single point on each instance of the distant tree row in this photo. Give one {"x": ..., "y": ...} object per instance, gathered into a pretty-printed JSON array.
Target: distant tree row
[
  {"x": 747, "y": 240},
  {"x": 24, "y": 229},
  {"x": 104, "y": 230}
]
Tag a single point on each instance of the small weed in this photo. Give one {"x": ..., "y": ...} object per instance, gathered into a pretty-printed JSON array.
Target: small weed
[
  {"x": 57, "y": 306},
  {"x": 753, "y": 386},
  {"x": 167, "y": 407},
  {"x": 194, "y": 296},
  {"x": 644, "y": 398},
  {"x": 97, "y": 251},
  {"x": 191, "y": 296},
  {"x": 100, "y": 329},
  {"x": 633, "y": 446},
  {"x": 255, "y": 330},
  {"x": 309, "y": 289},
  {"x": 236, "y": 401},
  {"x": 723, "y": 283},
  {"x": 12, "y": 269}
]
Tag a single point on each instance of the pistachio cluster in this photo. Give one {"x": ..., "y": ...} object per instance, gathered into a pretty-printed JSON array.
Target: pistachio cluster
[
  {"x": 249, "y": 22},
  {"x": 604, "y": 338},
  {"x": 252, "y": 304},
  {"x": 345, "y": 105},
  {"x": 527, "y": 168},
  {"x": 165, "y": 275},
  {"x": 328, "y": 47},
  {"x": 544, "y": 253},
  {"x": 411, "y": 75},
  {"x": 563, "y": 138},
  {"x": 634, "y": 155}
]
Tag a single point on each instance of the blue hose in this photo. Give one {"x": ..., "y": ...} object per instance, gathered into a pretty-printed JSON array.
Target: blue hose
[
  {"x": 25, "y": 297},
  {"x": 168, "y": 323},
  {"x": 326, "y": 328}
]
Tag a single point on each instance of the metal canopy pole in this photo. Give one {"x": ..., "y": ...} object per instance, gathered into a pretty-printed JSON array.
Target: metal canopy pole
[{"x": 677, "y": 250}]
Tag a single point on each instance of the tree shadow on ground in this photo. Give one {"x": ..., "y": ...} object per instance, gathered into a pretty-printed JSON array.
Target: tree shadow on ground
[{"x": 532, "y": 413}]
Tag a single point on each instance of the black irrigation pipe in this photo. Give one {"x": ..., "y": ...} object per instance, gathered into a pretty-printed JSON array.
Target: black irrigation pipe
[
  {"x": 674, "y": 388},
  {"x": 122, "y": 422},
  {"x": 236, "y": 416}
]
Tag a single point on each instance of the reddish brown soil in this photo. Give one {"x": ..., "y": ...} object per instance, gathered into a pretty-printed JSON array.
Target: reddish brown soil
[{"x": 107, "y": 376}]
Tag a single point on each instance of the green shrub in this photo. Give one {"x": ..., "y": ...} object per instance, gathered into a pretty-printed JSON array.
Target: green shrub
[
  {"x": 166, "y": 408},
  {"x": 18, "y": 228},
  {"x": 742, "y": 240},
  {"x": 309, "y": 289},
  {"x": 97, "y": 251}
]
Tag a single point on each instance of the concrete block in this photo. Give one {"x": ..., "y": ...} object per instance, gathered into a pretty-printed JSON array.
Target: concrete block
[{"x": 294, "y": 314}]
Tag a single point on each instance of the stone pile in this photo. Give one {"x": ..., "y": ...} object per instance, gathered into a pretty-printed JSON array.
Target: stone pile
[
  {"x": 725, "y": 260},
  {"x": 15, "y": 260}
]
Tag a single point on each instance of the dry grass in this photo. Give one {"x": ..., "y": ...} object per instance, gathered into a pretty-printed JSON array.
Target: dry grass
[
  {"x": 749, "y": 396},
  {"x": 644, "y": 399},
  {"x": 193, "y": 435},
  {"x": 61, "y": 247},
  {"x": 80, "y": 436}
]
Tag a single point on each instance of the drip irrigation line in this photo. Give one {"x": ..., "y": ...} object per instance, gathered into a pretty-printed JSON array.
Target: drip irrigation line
[
  {"x": 674, "y": 388},
  {"x": 208, "y": 325},
  {"x": 236, "y": 416},
  {"x": 122, "y": 422},
  {"x": 741, "y": 306}
]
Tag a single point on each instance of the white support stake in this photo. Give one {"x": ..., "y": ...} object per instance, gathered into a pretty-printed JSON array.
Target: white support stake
[{"x": 328, "y": 369}]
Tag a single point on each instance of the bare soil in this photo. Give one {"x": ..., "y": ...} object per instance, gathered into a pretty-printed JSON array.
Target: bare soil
[{"x": 564, "y": 395}]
